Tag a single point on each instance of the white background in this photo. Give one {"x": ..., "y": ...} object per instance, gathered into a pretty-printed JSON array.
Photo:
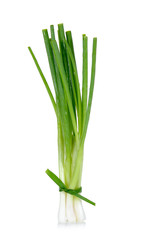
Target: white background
[{"x": 112, "y": 173}]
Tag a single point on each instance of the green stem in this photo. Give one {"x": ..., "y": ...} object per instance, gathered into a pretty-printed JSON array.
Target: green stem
[
  {"x": 77, "y": 169},
  {"x": 60, "y": 152}
]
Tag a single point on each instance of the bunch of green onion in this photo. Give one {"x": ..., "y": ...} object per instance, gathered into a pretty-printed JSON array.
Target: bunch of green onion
[{"x": 72, "y": 106}]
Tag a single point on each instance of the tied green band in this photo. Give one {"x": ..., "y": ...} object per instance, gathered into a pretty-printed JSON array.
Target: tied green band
[
  {"x": 62, "y": 187},
  {"x": 70, "y": 191}
]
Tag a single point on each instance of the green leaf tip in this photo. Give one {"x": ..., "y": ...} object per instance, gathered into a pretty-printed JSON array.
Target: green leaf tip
[
  {"x": 47, "y": 171},
  {"x": 60, "y": 24}
]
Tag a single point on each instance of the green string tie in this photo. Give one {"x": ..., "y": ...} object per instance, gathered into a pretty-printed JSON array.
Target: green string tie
[{"x": 62, "y": 187}]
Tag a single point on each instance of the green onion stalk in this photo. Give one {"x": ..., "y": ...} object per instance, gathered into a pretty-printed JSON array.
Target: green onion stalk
[{"x": 72, "y": 106}]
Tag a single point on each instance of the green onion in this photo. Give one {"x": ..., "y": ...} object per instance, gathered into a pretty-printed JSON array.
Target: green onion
[{"x": 72, "y": 106}]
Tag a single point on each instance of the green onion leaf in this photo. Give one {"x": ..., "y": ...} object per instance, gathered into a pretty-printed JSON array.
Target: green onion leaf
[
  {"x": 65, "y": 84},
  {"x": 90, "y": 90},
  {"x": 84, "y": 77},
  {"x": 43, "y": 78}
]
